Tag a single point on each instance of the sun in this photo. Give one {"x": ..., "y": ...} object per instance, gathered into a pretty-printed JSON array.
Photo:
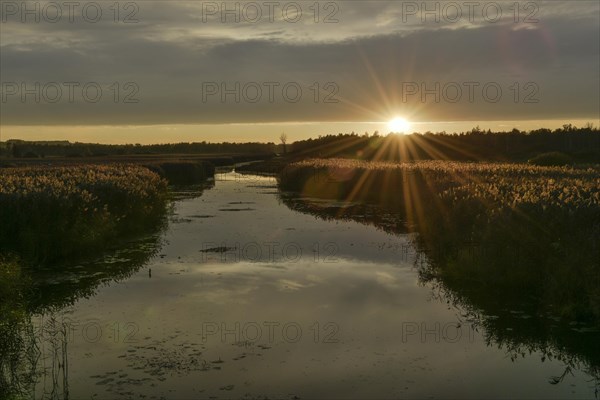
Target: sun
[{"x": 399, "y": 125}]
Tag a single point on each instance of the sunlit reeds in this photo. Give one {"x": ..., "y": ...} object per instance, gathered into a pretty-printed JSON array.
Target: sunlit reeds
[
  {"x": 520, "y": 230},
  {"x": 496, "y": 185},
  {"x": 50, "y": 212}
]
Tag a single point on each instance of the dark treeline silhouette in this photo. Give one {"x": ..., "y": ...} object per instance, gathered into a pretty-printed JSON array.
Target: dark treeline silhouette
[
  {"x": 27, "y": 149},
  {"x": 569, "y": 142},
  {"x": 578, "y": 144}
]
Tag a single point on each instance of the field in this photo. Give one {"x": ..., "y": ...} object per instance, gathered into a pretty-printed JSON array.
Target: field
[
  {"x": 521, "y": 231},
  {"x": 51, "y": 212}
]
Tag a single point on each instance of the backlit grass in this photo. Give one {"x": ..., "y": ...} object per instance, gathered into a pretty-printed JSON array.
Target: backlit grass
[{"x": 51, "y": 212}]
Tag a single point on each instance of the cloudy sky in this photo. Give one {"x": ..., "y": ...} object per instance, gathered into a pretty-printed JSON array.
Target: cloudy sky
[{"x": 152, "y": 71}]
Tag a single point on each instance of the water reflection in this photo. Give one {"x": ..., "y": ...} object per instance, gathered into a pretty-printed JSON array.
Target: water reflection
[
  {"x": 243, "y": 296},
  {"x": 509, "y": 315},
  {"x": 34, "y": 341}
]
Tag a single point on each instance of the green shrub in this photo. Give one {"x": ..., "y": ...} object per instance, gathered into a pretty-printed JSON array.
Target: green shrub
[
  {"x": 183, "y": 172},
  {"x": 552, "y": 159}
]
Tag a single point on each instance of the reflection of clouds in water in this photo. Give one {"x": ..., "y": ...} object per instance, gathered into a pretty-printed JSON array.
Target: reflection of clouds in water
[
  {"x": 386, "y": 279},
  {"x": 264, "y": 233},
  {"x": 222, "y": 296},
  {"x": 289, "y": 285},
  {"x": 369, "y": 293}
]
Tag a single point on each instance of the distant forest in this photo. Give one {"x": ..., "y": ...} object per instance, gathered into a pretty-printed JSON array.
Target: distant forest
[
  {"x": 579, "y": 144},
  {"x": 27, "y": 149}
]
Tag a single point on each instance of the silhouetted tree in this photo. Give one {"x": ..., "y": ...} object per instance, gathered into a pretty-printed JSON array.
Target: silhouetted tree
[{"x": 283, "y": 138}]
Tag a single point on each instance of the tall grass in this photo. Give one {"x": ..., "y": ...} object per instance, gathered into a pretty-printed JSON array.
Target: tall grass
[
  {"x": 183, "y": 172},
  {"x": 521, "y": 231},
  {"x": 48, "y": 213},
  {"x": 485, "y": 190}
]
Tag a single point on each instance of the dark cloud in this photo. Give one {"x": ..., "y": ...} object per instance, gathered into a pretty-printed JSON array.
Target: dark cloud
[{"x": 169, "y": 55}]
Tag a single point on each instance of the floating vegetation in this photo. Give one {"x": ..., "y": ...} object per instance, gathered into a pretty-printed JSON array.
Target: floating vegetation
[{"x": 220, "y": 249}]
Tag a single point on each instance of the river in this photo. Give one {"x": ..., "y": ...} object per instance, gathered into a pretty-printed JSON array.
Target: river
[{"x": 242, "y": 296}]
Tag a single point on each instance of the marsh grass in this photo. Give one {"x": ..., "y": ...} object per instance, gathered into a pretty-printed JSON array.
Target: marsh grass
[
  {"x": 183, "y": 172},
  {"x": 525, "y": 233},
  {"x": 49, "y": 213},
  {"x": 551, "y": 159}
]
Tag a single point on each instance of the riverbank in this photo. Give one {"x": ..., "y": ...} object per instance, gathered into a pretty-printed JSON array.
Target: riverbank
[
  {"x": 524, "y": 232},
  {"x": 49, "y": 213}
]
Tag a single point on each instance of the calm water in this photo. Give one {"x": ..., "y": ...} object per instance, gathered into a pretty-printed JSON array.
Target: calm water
[{"x": 241, "y": 296}]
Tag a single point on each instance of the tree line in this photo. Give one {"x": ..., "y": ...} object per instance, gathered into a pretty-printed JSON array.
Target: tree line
[
  {"x": 30, "y": 149},
  {"x": 579, "y": 144}
]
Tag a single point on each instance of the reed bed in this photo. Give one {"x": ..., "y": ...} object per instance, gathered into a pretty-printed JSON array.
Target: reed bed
[
  {"x": 183, "y": 172},
  {"x": 52, "y": 212},
  {"x": 494, "y": 185},
  {"x": 517, "y": 230}
]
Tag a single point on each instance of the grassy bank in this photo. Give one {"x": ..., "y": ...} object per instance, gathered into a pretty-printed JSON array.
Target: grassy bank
[
  {"x": 267, "y": 167},
  {"x": 183, "y": 172},
  {"x": 527, "y": 233},
  {"x": 48, "y": 213}
]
